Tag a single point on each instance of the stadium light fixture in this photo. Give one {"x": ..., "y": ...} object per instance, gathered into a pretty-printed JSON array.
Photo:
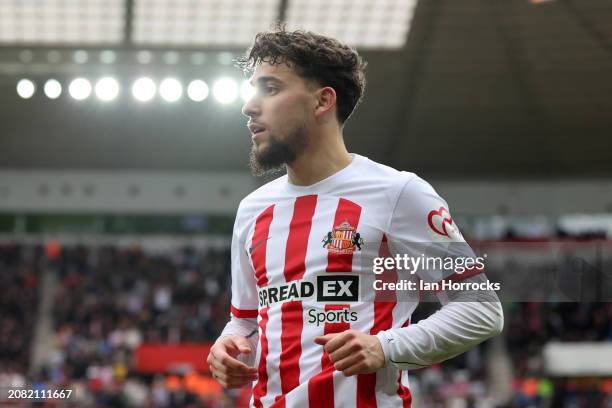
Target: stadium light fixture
[
  {"x": 80, "y": 89},
  {"x": 246, "y": 91},
  {"x": 52, "y": 89},
  {"x": 25, "y": 88},
  {"x": 107, "y": 89},
  {"x": 26, "y": 56},
  {"x": 80, "y": 56},
  {"x": 225, "y": 90},
  {"x": 144, "y": 89},
  {"x": 171, "y": 90},
  {"x": 108, "y": 56},
  {"x": 197, "y": 90},
  {"x": 54, "y": 56},
  {"x": 144, "y": 57}
]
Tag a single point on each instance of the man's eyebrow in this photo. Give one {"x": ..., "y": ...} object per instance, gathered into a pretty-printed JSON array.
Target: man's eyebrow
[{"x": 264, "y": 79}]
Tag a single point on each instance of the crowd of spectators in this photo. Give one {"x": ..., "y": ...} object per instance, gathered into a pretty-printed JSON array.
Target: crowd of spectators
[
  {"x": 109, "y": 300},
  {"x": 19, "y": 281},
  {"x": 529, "y": 326}
]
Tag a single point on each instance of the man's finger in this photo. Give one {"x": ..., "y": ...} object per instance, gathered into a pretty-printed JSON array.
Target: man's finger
[
  {"x": 337, "y": 341},
  {"x": 348, "y": 362},
  {"x": 238, "y": 345},
  {"x": 344, "y": 351},
  {"x": 322, "y": 340},
  {"x": 229, "y": 381},
  {"x": 236, "y": 365},
  {"x": 220, "y": 357},
  {"x": 359, "y": 368},
  {"x": 220, "y": 368}
]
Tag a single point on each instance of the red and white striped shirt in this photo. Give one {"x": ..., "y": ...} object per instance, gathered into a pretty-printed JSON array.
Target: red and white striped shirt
[{"x": 298, "y": 256}]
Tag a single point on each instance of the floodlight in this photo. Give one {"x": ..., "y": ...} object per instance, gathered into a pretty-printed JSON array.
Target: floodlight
[
  {"x": 225, "y": 90},
  {"x": 197, "y": 90},
  {"x": 107, "y": 89},
  {"x": 170, "y": 90},
  {"x": 26, "y": 88},
  {"x": 80, "y": 89},
  {"x": 53, "y": 89},
  {"x": 144, "y": 89}
]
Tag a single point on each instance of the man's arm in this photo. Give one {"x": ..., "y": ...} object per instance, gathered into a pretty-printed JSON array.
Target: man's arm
[
  {"x": 238, "y": 338},
  {"x": 420, "y": 222},
  {"x": 243, "y": 327},
  {"x": 470, "y": 318},
  {"x": 240, "y": 335}
]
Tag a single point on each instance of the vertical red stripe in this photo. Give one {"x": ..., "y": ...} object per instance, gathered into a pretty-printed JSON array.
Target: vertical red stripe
[
  {"x": 259, "y": 244},
  {"x": 404, "y": 393},
  {"x": 291, "y": 345},
  {"x": 321, "y": 387},
  {"x": 261, "y": 387},
  {"x": 350, "y": 212},
  {"x": 384, "y": 304},
  {"x": 297, "y": 241},
  {"x": 292, "y": 322}
]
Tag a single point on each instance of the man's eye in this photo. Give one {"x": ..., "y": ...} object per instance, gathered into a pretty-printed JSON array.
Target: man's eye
[{"x": 271, "y": 89}]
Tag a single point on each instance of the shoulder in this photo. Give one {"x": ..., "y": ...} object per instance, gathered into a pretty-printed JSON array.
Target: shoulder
[
  {"x": 388, "y": 179},
  {"x": 386, "y": 175},
  {"x": 260, "y": 199},
  {"x": 418, "y": 187}
]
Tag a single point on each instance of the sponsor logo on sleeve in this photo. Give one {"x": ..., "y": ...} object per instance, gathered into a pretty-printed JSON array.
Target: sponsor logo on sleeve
[{"x": 442, "y": 224}]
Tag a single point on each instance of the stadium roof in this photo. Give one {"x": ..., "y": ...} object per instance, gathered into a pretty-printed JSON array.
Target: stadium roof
[{"x": 473, "y": 88}]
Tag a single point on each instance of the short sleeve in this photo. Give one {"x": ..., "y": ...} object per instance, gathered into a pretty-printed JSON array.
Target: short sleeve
[
  {"x": 244, "y": 288},
  {"x": 421, "y": 227}
]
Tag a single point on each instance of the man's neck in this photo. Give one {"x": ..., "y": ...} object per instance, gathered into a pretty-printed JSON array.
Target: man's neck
[{"x": 322, "y": 158}]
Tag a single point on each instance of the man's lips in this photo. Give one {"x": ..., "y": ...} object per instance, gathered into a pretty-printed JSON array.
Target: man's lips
[{"x": 255, "y": 128}]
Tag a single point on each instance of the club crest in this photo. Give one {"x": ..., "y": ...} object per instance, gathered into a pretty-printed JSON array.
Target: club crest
[{"x": 343, "y": 239}]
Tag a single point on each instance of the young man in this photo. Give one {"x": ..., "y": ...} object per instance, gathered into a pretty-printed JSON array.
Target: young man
[{"x": 303, "y": 300}]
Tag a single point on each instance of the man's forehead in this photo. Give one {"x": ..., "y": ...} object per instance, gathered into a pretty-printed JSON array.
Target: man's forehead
[{"x": 266, "y": 70}]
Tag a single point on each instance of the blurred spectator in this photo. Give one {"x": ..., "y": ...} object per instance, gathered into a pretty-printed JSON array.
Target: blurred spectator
[{"x": 111, "y": 299}]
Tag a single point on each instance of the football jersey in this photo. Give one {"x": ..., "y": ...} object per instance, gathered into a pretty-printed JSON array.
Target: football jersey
[{"x": 302, "y": 261}]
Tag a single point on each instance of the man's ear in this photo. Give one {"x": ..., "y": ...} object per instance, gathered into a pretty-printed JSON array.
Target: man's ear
[{"x": 326, "y": 101}]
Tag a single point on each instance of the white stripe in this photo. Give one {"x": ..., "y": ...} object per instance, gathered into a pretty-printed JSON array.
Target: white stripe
[
  {"x": 316, "y": 262},
  {"x": 345, "y": 388},
  {"x": 275, "y": 264}
]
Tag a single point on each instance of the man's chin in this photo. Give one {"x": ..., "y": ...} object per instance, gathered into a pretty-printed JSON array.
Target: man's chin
[
  {"x": 261, "y": 165},
  {"x": 260, "y": 146}
]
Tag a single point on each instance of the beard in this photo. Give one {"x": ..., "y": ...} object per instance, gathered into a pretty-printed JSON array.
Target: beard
[{"x": 278, "y": 152}]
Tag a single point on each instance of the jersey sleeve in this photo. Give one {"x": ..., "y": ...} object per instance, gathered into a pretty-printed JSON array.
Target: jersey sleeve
[
  {"x": 244, "y": 289},
  {"x": 422, "y": 227}
]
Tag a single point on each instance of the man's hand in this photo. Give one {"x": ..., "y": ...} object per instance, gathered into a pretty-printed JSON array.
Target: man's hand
[
  {"x": 225, "y": 367},
  {"x": 353, "y": 352}
]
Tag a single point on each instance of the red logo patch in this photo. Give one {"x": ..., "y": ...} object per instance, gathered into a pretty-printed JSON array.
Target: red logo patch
[
  {"x": 343, "y": 239},
  {"x": 438, "y": 220}
]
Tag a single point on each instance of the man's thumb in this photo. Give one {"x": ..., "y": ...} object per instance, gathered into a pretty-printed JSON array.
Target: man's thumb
[
  {"x": 322, "y": 340},
  {"x": 242, "y": 344}
]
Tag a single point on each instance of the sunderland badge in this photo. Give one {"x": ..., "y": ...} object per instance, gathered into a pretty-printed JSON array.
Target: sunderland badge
[{"x": 343, "y": 239}]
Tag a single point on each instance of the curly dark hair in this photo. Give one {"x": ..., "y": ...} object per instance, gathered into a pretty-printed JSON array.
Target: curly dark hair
[{"x": 317, "y": 58}]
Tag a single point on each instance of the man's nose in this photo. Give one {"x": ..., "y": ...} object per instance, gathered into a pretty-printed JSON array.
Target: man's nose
[{"x": 250, "y": 108}]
